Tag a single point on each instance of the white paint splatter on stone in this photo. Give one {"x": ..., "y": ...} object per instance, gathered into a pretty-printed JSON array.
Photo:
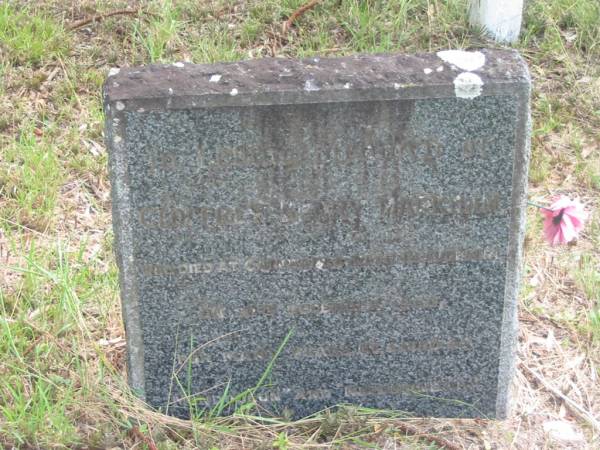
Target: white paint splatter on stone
[
  {"x": 113, "y": 71},
  {"x": 215, "y": 78},
  {"x": 319, "y": 265},
  {"x": 427, "y": 71},
  {"x": 120, "y": 106},
  {"x": 347, "y": 86},
  {"x": 286, "y": 73},
  {"x": 440, "y": 69},
  {"x": 311, "y": 85},
  {"x": 462, "y": 59},
  {"x": 234, "y": 92},
  {"x": 397, "y": 86},
  {"x": 468, "y": 85},
  {"x": 178, "y": 64}
]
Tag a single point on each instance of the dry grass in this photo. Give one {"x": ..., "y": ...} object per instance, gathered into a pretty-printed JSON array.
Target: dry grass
[{"x": 62, "y": 376}]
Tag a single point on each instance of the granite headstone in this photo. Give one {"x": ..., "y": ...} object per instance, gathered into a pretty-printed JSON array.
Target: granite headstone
[{"x": 368, "y": 209}]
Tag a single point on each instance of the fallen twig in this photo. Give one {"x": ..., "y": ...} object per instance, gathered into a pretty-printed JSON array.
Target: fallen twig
[
  {"x": 575, "y": 408},
  {"x": 288, "y": 23},
  {"x": 414, "y": 431},
  {"x": 32, "y": 345},
  {"x": 100, "y": 17},
  {"x": 142, "y": 437},
  {"x": 23, "y": 227}
]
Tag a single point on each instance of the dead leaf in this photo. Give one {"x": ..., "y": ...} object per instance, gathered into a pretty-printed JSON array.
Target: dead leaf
[
  {"x": 118, "y": 342},
  {"x": 563, "y": 431},
  {"x": 575, "y": 362}
]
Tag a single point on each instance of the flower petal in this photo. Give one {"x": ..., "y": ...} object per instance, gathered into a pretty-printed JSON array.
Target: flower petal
[
  {"x": 572, "y": 218},
  {"x": 551, "y": 231},
  {"x": 558, "y": 237},
  {"x": 547, "y": 213},
  {"x": 578, "y": 217},
  {"x": 561, "y": 202},
  {"x": 567, "y": 229}
]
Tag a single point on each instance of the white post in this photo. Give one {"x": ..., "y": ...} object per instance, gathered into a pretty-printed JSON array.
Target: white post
[{"x": 500, "y": 18}]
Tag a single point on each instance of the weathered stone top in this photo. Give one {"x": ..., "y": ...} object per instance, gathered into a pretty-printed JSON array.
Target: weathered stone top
[{"x": 277, "y": 80}]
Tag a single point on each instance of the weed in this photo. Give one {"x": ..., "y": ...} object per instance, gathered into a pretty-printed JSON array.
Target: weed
[
  {"x": 241, "y": 403},
  {"x": 282, "y": 442}
]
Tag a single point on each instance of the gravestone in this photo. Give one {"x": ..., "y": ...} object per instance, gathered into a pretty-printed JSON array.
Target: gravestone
[{"x": 321, "y": 232}]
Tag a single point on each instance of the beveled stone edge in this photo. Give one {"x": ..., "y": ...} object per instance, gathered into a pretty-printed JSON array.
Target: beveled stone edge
[
  {"x": 514, "y": 267},
  {"x": 122, "y": 228}
]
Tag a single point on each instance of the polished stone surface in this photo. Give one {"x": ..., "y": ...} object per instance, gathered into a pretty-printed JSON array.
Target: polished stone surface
[{"x": 370, "y": 208}]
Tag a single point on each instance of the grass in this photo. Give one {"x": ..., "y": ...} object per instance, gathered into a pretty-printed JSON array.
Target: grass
[
  {"x": 29, "y": 38},
  {"x": 30, "y": 179},
  {"x": 587, "y": 277},
  {"x": 159, "y": 35},
  {"x": 62, "y": 376}
]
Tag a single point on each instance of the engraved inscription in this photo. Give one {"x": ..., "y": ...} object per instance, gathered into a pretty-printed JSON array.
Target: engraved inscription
[
  {"x": 312, "y": 394},
  {"x": 441, "y": 256},
  {"x": 337, "y": 306},
  {"x": 163, "y": 163},
  {"x": 312, "y": 214},
  {"x": 474, "y": 146},
  {"x": 384, "y": 146},
  {"x": 379, "y": 390},
  {"x": 340, "y": 350},
  {"x": 318, "y": 214},
  {"x": 274, "y": 394},
  {"x": 398, "y": 207},
  {"x": 431, "y": 387}
]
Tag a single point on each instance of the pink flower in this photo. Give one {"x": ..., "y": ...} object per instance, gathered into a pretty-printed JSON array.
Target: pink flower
[{"x": 564, "y": 220}]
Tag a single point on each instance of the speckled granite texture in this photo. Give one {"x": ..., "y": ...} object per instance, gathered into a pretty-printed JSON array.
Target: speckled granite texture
[{"x": 373, "y": 206}]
